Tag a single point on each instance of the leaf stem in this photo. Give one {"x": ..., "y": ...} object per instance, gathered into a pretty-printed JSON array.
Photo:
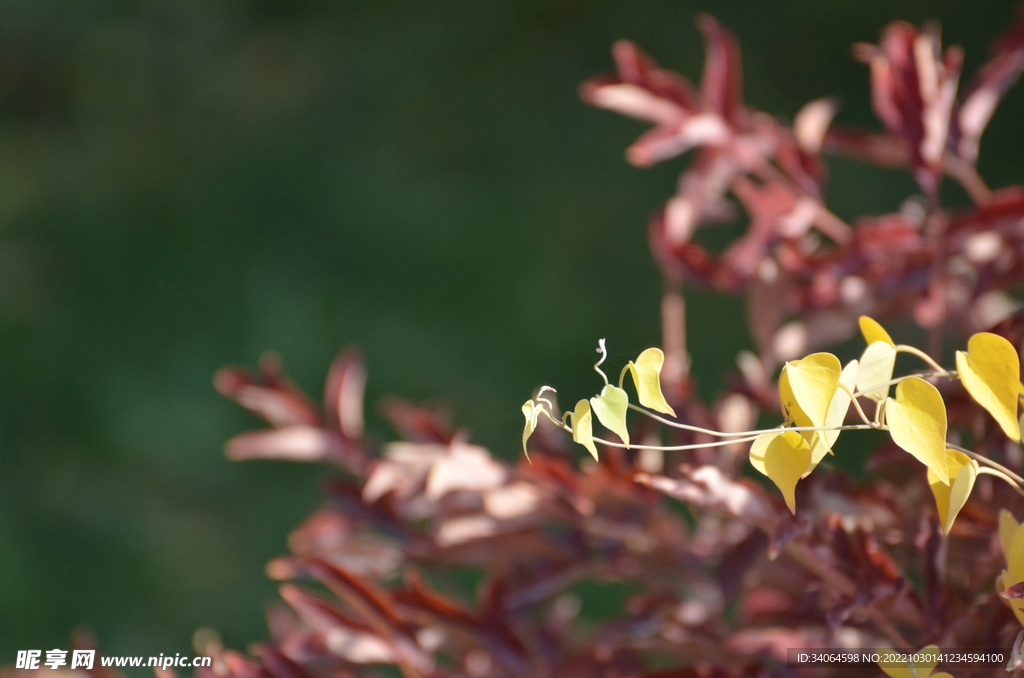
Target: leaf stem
[
  {"x": 903, "y": 348},
  {"x": 988, "y": 462},
  {"x": 1000, "y": 474},
  {"x": 856, "y": 404},
  {"x": 604, "y": 356},
  {"x": 921, "y": 375},
  {"x": 740, "y": 434}
]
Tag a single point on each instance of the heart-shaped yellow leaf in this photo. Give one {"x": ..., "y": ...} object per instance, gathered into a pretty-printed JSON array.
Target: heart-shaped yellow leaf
[
  {"x": 646, "y": 373},
  {"x": 610, "y": 408},
  {"x": 1007, "y": 528},
  {"x": 873, "y": 332},
  {"x": 949, "y": 499},
  {"x": 821, "y": 442},
  {"x": 531, "y": 412},
  {"x": 924, "y": 660},
  {"x": 876, "y": 366},
  {"x": 1015, "y": 557},
  {"x": 990, "y": 371},
  {"x": 917, "y": 423},
  {"x": 813, "y": 381},
  {"x": 583, "y": 427},
  {"x": 895, "y": 670},
  {"x": 757, "y": 449},
  {"x": 786, "y": 458}
]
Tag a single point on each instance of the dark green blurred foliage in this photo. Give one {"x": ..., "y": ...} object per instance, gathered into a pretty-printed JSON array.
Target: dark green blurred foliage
[{"x": 185, "y": 184}]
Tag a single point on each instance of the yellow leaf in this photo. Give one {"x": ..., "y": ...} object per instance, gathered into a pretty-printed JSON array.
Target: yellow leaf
[
  {"x": 758, "y": 447},
  {"x": 990, "y": 371},
  {"x": 785, "y": 460},
  {"x": 790, "y": 409},
  {"x": 583, "y": 427},
  {"x": 895, "y": 671},
  {"x": 646, "y": 373},
  {"x": 1007, "y": 528},
  {"x": 873, "y": 332},
  {"x": 876, "y": 366},
  {"x": 813, "y": 381},
  {"x": 821, "y": 442},
  {"x": 610, "y": 408},
  {"x": 924, "y": 660},
  {"x": 917, "y": 423},
  {"x": 949, "y": 499},
  {"x": 531, "y": 412},
  {"x": 1015, "y": 557}
]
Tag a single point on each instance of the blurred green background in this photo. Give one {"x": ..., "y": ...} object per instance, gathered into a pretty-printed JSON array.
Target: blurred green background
[{"x": 187, "y": 183}]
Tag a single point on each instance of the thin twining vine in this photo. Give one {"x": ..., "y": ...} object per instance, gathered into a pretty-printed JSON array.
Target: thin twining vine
[{"x": 816, "y": 393}]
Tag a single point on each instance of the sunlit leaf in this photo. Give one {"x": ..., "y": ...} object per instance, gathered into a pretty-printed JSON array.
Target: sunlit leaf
[
  {"x": 531, "y": 412},
  {"x": 949, "y": 499},
  {"x": 646, "y": 373},
  {"x": 917, "y": 423},
  {"x": 876, "y": 366},
  {"x": 610, "y": 407},
  {"x": 1007, "y": 528},
  {"x": 895, "y": 671},
  {"x": 785, "y": 460},
  {"x": 758, "y": 447},
  {"x": 1015, "y": 557},
  {"x": 990, "y": 371},
  {"x": 873, "y": 332},
  {"x": 924, "y": 660},
  {"x": 813, "y": 381},
  {"x": 821, "y": 442},
  {"x": 583, "y": 428}
]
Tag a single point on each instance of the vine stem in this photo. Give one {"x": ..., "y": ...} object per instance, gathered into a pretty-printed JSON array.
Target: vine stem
[
  {"x": 856, "y": 405},
  {"x": 1003, "y": 476},
  {"x": 940, "y": 373},
  {"x": 740, "y": 434},
  {"x": 988, "y": 462},
  {"x": 903, "y": 348}
]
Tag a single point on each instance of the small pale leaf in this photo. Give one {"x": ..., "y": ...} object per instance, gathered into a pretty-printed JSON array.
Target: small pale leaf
[
  {"x": 583, "y": 427},
  {"x": 949, "y": 499},
  {"x": 990, "y": 371},
  {"x": 610, "y": 408},
  {"x": 876, "y": 366},
  {"x": 813, "y": 381},
  {"x": 917, "y": 423},
  {"x": 531, "y": 412},
  {"x": 873, "y": 332},
  {"x": 646, "y": 373},
  {"x": 785, "y": 460}
]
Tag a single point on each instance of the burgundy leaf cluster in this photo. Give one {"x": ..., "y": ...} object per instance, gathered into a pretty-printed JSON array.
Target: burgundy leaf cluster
[{"x": 796, "y": 260}]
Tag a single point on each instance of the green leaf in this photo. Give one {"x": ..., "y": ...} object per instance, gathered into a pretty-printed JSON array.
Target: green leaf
[
  {"x": 813, "y": 381},
  {"x": 876, "y": 366},
  {"x": 990, "y": 371},
  {"x": 873, "y": 332},
  {"x": 531, "y": 412},
  {"x": 610, "y": 407},
  {"x": 582, "y": 427},
  {"x": 646, "y": 373},
  {"x": 917, "y": 423},
  {"x": 949, "y": 499},
  {"x": 786, "y": 458}
]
